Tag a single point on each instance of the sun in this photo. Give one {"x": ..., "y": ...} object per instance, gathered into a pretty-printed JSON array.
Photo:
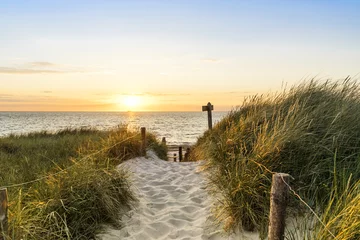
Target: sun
[{"x": 131, "y": 101}]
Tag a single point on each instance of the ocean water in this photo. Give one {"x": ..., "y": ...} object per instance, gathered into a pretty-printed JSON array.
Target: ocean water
[{"x": 177, "y": 127}]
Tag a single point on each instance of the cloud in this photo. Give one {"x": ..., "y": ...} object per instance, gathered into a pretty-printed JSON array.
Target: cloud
[
  {"x": 240, "y": 92},
  {"x": 42, "y": 64},
  {"x": 47, "y": 91},
  {"x": 155, "y": 94},
  {"x": 9, "y": 70},
  {"x": 152, "y": 94},
  {"x": 8, "y": 98},
  {"x": 44, "y": 68},
  {"x": 5, "y": 96},
  {"x": 211, "y": 60}
]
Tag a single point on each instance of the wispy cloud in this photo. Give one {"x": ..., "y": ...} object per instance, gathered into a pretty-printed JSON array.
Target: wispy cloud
[
  {"x": 42, "y": 64},
  {"x": 5, "y": 96},
  {"x": 44, "y": 67},
  {"x": 153, "y": 94},
  {"x": 240, "y": 92},
  {"x": 211, "y": 60},
  {"x": 10, "y": 70},
  {"x": 156, "y": 94},
  {"x": 8, "y": 98}
]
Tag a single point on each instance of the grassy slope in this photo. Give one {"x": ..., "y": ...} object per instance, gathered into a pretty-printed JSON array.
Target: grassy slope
[
  {"x": 72, "y": 204},
  {"x": 311, "y": 131}
]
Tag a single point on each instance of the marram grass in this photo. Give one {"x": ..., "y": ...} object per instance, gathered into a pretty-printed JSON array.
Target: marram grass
[
  {"x": 87, "y": 193},
  {"x": 307, "y": 131},
  {"x": 339, "y": 219}
]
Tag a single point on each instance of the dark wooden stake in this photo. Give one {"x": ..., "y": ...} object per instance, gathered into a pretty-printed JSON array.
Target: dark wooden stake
[
  {"x": 278, "y": 202},
  {"x": 208, "y": 108},
  {"x": 143, "y": 141},
  {"x": 174, "y": 157},
  {"x": 180, "y": 154},
  {"x": 163, "y": 140},
  {"x": 187, "y": 154},
  {"x": 3, "y": 213}
]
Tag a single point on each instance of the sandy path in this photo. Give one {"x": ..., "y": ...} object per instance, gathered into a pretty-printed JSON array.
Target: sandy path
[{"x": 173, "y": 203}]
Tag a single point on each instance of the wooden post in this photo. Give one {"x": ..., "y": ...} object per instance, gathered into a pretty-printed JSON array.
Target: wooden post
[
  {"x": 278, "y": 202},
  {"x": 163, "y": 140},
  {"x": 3, "y": 213},
  {"x": 143, "y": 141},
  {"x": 187, "y": 153},
  {"x": 174, "y": 157},
  {"x": 208, "y": 108},
  {"x": 180, "y": 154}
]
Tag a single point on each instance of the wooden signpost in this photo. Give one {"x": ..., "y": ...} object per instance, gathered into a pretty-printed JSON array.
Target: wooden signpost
[{"x": 208, "y": 108}]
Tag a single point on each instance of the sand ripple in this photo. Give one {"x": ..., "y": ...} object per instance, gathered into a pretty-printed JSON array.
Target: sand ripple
[{"x": 173, "y": 203}]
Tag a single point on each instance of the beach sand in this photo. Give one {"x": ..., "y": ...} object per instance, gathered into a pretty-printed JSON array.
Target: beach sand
[{"x": 173, "y": 203}]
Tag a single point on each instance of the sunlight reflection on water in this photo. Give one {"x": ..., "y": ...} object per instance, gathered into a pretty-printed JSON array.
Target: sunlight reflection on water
[{"x": 177, "y": 127}]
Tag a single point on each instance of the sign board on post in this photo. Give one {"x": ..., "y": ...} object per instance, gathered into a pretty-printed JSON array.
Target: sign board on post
[{"x": 208, "y": 108}]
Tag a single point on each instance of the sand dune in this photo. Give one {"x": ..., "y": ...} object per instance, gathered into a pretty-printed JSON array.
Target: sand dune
[{"x": 173, "y": 203}]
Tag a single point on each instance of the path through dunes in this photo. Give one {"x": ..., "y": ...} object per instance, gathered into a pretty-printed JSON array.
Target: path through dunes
[{"x": 173, "y": 203}]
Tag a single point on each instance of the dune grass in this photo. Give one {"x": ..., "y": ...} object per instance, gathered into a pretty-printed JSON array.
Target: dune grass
[
  {"x": 311, "y": 131},
  {"x": 340, "y": 215},
  {"x": 83, "y": 190}
]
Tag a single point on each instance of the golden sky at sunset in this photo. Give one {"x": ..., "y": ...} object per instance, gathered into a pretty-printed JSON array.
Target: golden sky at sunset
[{"x": 167, "y": 55}]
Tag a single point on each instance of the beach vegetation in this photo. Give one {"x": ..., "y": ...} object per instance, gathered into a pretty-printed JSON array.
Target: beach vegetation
[
  {"x": 66, "y": 184},
  {"x": 310, "y": 131}
]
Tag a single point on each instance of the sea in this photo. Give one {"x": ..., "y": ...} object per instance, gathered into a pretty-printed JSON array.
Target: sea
[{"x": 179, "y": 128}]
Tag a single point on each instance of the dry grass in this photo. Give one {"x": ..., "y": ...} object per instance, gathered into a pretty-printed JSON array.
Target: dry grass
[
  {"x": 87, "y": 193},
  {"x": 308, "y": 131}
]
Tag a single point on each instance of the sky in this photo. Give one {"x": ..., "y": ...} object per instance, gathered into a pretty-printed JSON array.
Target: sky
[{"x": 168, "y": 55}]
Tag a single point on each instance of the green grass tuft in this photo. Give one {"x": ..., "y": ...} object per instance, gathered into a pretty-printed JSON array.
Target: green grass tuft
[{"x": 83, "y": 190}]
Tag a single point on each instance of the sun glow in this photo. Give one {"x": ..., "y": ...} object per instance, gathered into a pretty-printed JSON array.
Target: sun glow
[{"x": 131, "y": 102}]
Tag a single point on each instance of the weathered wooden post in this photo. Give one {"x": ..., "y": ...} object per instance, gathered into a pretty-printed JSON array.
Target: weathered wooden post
[
  {"x": 278, "y": 201},
  {"x": 174, "y": 157},
  {"x": 180, "y": 154},
  {"x": 143, "y": 141},
  {"x": 187, "y": 154},
  {"x": 163, "y": 140},
  {"x": 208, "y": 108},
  {"x": 3, "y": 213}
]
